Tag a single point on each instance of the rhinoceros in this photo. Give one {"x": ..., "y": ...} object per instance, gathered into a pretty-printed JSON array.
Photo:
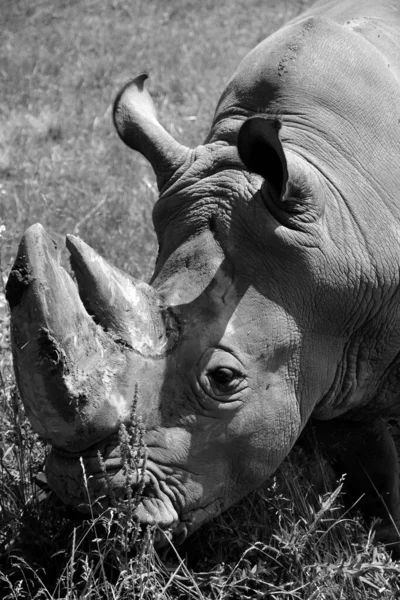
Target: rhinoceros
[{"x": 275, "y": 298}]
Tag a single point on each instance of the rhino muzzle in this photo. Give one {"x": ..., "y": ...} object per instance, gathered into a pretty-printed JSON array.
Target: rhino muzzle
[{"x": 77, "y": 348}]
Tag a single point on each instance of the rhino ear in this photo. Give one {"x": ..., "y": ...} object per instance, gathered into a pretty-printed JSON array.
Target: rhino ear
[
  {"x": 136, "y": 122},
  {"x": 261, "y": 151}
]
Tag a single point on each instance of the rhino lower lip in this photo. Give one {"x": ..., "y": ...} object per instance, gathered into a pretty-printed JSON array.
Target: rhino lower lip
[{"x": 105, "y": 447}]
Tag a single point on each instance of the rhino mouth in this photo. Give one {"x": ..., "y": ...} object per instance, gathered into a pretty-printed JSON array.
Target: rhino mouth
[
  {"x": 93, "y": 478},
  {"x": 98, "y": 478}
]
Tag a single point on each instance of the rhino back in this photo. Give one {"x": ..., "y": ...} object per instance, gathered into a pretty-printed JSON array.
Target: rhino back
[{"x": 378, "y": 23}]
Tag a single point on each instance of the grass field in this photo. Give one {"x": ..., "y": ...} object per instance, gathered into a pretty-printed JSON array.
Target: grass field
[{"x": 61, "y": 163}]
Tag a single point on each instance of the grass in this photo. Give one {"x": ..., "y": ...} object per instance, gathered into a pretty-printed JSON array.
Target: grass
[{"x": 62, "y": 164}]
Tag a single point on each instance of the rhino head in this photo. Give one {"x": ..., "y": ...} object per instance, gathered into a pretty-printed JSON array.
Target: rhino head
[{"x": 226, "y": 345}]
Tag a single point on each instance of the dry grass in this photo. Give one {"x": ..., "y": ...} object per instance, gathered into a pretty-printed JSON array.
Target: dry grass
[{"x": 62, "y": 164}]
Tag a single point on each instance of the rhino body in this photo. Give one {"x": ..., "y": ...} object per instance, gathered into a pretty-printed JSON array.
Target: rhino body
[{"x": 275, "y": 296}]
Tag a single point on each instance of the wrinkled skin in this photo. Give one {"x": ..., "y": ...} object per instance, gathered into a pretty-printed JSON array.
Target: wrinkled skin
[{"x": 275, "y": 293}]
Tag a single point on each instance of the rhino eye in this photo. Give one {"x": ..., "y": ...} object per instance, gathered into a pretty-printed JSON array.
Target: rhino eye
[
  {"x": 223, "y": 375},
  {"x": 225, "y": 380}
]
